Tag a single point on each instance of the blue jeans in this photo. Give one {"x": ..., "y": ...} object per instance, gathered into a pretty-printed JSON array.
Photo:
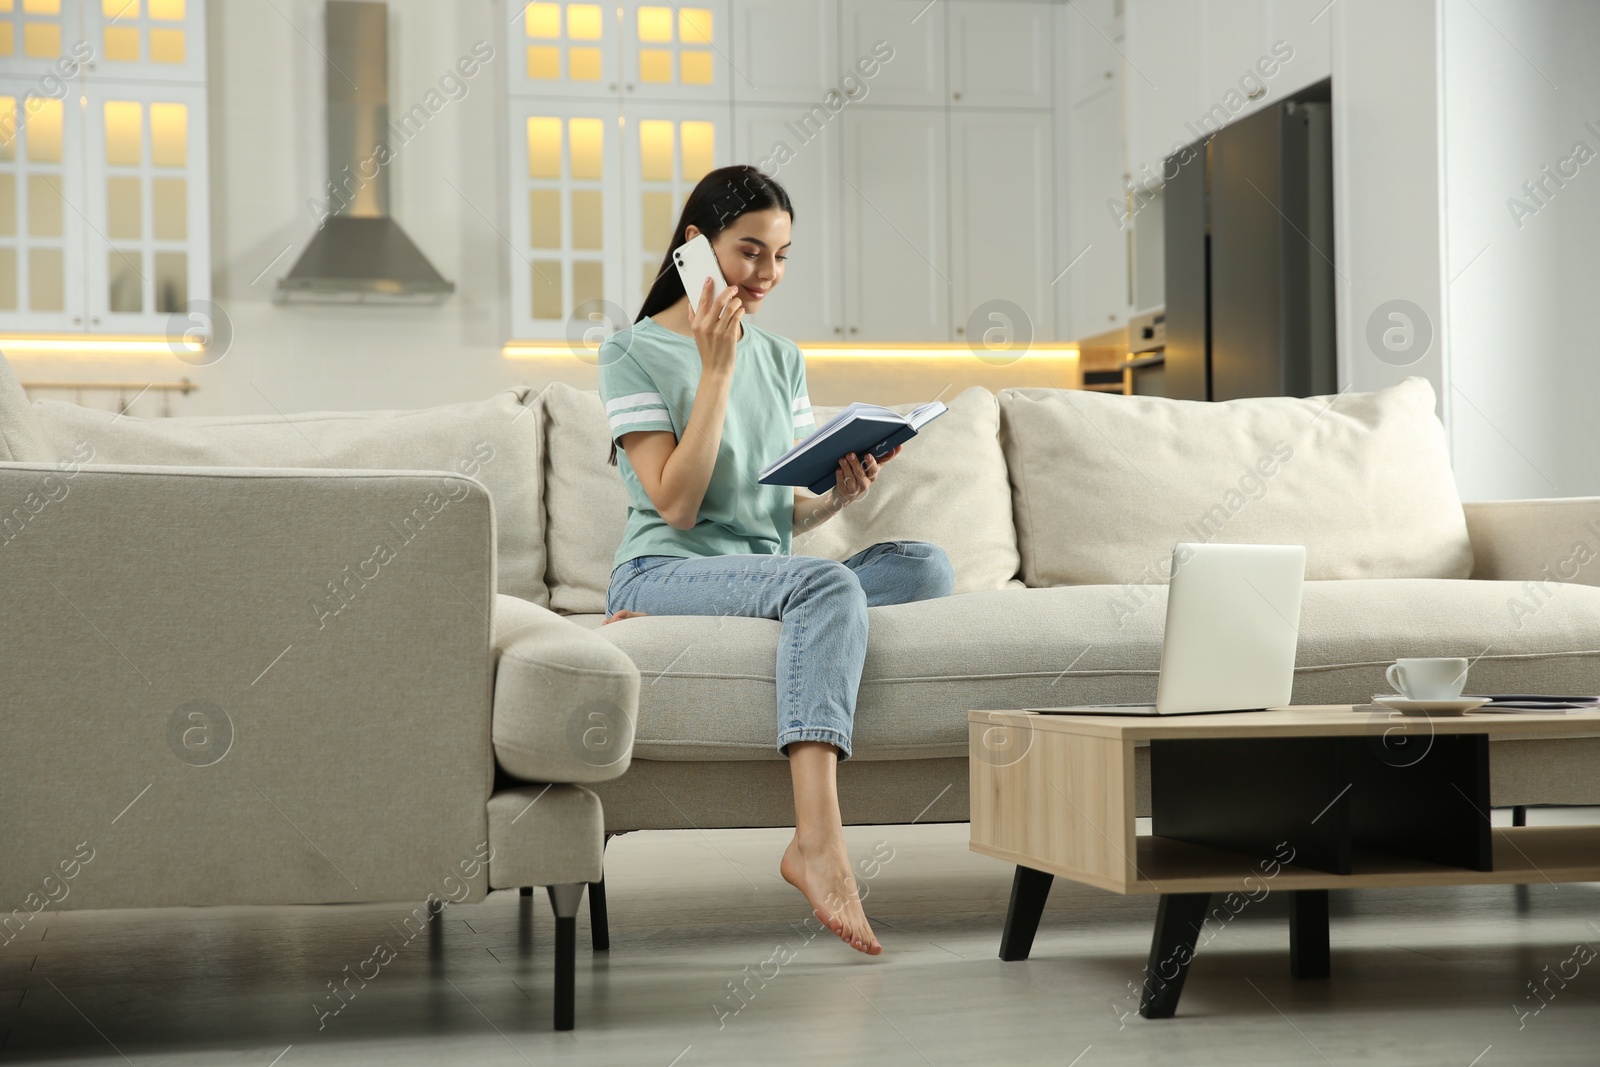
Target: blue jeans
[{"x": 822, "y": 605}]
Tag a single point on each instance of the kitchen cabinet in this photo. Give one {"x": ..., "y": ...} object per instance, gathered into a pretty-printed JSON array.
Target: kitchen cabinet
[
  {"x": 1001, "y": 193},
  {"x": 631, "y": 49},
  {"x": 616, "y": 112},
  {"x": 104, "y": 216},
  {"x": 930, "y": 189},
  {"x": 785, "y": 51},
  {"x": 896, "y": 225},
  {"x": 675, "y": 51},
  {"x": 808, "y": 305},
  {"x": 566, "y": 218},
  {"x": 1097, "y": 207},
  {"x": 1209, "y": 63},
  {"x": 999, "y": 54},
  {"x": 915, "y": 30},
  {"x": 666, "y": 149}
]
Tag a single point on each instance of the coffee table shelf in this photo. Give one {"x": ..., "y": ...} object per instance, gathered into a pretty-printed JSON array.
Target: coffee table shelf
[{"x": 1302, "y": 800}]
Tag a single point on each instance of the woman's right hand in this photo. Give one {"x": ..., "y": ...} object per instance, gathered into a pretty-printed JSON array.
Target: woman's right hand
[{"x": 715, "y": 325}]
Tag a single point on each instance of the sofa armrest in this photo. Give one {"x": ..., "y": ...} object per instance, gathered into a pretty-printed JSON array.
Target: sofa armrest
[
  {"x": 566, "y": 700},
  {"x": 243, "y": 685},
  {"x": 1536, "y": 540}
]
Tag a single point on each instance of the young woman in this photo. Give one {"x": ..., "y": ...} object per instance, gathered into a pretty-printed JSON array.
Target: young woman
[{"x": 699, "y": 401}]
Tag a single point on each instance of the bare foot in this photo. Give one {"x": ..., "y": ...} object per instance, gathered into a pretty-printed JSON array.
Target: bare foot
[
  {"x": 625, "y": 614},
  {"x": 822, "y": 873}
]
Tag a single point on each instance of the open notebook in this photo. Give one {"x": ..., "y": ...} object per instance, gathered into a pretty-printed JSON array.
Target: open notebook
[{"x": 859, "y": 428}]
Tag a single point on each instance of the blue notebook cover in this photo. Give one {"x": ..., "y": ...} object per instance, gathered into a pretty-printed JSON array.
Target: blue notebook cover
[{"x": 859, "y": 428}]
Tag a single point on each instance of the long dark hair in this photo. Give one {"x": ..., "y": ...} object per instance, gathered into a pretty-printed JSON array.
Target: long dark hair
[{"x": 721, "y": 197}]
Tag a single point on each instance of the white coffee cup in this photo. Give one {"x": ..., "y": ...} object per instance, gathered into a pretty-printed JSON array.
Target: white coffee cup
[{"x": 1440, "y": 678}]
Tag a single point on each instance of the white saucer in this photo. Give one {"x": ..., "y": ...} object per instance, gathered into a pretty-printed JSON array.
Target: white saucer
[{"x": 1430, "y": 707}]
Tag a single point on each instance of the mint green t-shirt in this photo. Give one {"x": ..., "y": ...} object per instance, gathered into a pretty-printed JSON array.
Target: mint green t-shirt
[{"x": 648, "y": 379}]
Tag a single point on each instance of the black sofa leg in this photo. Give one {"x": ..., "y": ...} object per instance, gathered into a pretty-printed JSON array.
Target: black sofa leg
[
  {"x": 599, "y": 919},
  {"x": 564, "y": 902},
  {"x": 1519, "y": 816},
  {"x": 597, "y": 916}
]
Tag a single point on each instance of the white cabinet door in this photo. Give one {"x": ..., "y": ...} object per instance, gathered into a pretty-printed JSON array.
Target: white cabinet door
[
  {"x": 566, "y": 231},
  {"x": 41, "y": 230},
  {"x": 896, "y": 219},
  {"x": 37, "y": 39},
  {"x": 806, "y": 305},
  {"x": 666, "y": 150},
  {"x": 1233, "y": 38},
  {"x": 785, "y": 51},
  {"x": 1094, "y": 48},
  {"x": 1165, "y": 81},
  {"x": 159, "y": 40},
  {"x": 910, "y": 34},
  {"x": 564, "y": 50},
  {"x": 1197, "y": 67},
  {"x": 1097, "y": 249},
  {"x": 1001, "y": 227},
  {"x": 1303, "y": 27},
  {"x": 999, "y": 54},
  {"x": 145, "y": 198},
  {"x": 675, "y": 52}
]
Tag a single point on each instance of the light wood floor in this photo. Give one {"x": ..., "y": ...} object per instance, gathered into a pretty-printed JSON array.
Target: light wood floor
[{"x": 1419, "y": 976}]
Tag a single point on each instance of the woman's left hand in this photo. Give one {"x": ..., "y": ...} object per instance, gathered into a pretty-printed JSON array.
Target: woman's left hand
[{"x": 856, "y": 475}]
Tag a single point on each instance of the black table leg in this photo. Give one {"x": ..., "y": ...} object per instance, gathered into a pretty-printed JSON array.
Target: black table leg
[
  {"x": 1029, "y": 890},
  {"x": 1308, "y": 934},
  {"x": 1178, "y": 920}
]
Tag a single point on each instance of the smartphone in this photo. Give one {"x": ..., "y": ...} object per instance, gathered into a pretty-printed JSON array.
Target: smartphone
[{"x": 696, "y": 262}]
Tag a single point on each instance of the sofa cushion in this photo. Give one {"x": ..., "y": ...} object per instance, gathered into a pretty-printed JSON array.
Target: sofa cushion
[
  {"x": 545, "y": 835},
  {"x": 497, "y": 441},
  {"x": 22, "y": 439},
  {"x": 948, "y": 486},
  {"x": 708, "y": 688},
  {"x": 586, "y": 504},
  {"x": 1104, "y": 486},
  {"x": 565, "y": 700}
]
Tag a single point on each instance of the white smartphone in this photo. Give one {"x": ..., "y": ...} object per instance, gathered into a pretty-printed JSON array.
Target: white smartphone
[{"x": 696, "y": 262}]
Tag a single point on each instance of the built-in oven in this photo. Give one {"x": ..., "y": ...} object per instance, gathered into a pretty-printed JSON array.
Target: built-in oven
[{"x": 1144, "y": 372}]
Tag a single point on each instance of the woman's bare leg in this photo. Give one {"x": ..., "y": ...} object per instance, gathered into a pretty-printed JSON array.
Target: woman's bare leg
[{"x": 816, "y": 861}]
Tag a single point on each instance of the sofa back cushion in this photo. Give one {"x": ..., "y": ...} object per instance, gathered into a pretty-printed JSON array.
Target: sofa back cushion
[
  {"x": 497, "y": 441},
  {"x": 586, "y": 504},
  {"x": 947, "y": 486},
  {"x": 1104, "y": 486},
  {"x": 22, "y": 439}
]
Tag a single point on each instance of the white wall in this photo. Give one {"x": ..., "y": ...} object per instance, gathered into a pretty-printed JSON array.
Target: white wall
[
  {"x": 1521, "y": 91},
  {"x": 1388, "y": 235},
  {"x": 267, "y": 161}
]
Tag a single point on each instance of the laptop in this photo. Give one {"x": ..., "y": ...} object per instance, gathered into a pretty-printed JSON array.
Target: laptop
[{"x": 1233, "y": 621}]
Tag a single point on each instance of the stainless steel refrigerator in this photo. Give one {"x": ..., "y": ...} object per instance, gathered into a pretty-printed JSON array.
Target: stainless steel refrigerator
[{"x": 1249, "y": 257}]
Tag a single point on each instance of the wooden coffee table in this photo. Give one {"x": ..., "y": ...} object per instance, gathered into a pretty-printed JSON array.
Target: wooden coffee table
[{"x": 1301, "y": 799}]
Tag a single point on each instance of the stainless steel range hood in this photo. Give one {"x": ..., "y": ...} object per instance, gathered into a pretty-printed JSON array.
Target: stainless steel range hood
[{"x": 360, "y": 254}]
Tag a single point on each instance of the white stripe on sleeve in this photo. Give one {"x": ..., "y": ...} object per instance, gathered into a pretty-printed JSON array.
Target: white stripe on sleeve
[
  {"x": 801, "y": 403},
  {"x": 634, "y": 400},
  {"x": 628, "y": 418}
]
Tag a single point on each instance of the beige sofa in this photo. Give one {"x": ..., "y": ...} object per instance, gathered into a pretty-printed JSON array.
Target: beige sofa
[
  {"x": 288, "y": 660},
  {"x": 1058, "y": 509}
]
